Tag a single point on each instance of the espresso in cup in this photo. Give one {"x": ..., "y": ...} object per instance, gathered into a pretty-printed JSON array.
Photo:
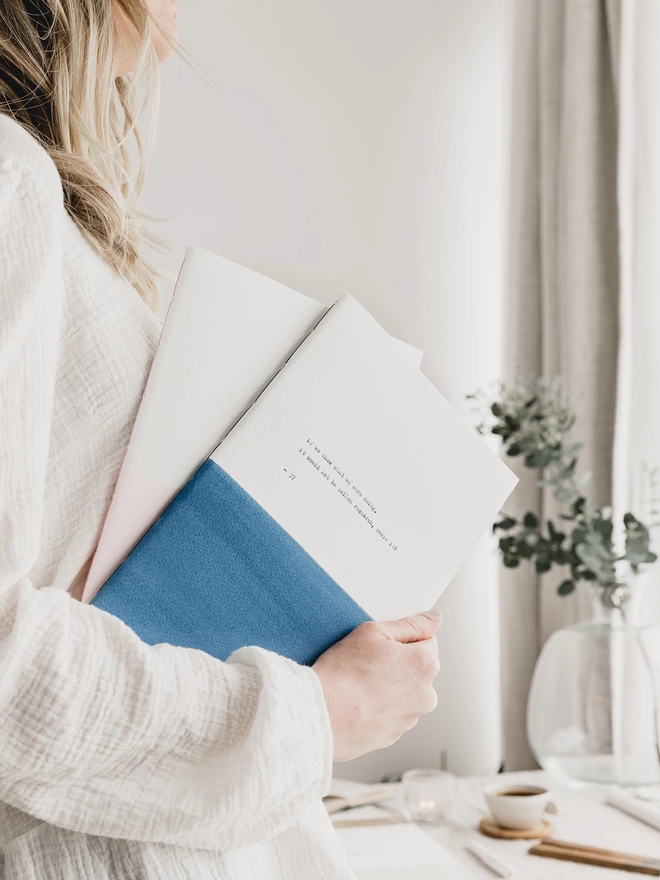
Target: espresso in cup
[{"x": 517, "y": 806}]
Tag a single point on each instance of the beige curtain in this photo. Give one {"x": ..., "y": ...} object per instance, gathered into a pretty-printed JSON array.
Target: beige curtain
[{"x": 565, "y": 280}]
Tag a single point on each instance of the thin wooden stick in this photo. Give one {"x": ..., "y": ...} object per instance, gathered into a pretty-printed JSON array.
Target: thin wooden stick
[
  {"x": 363, "y": 823},
  {"x": 589, "y": 856},
  {"x": 580, "y": 847}
]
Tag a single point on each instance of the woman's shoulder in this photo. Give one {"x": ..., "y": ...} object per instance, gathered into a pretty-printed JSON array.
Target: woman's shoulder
[{"x": 23, "y": 160}]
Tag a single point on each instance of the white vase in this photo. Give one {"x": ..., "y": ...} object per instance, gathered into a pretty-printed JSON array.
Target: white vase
[{"x": 593, "y": 714}]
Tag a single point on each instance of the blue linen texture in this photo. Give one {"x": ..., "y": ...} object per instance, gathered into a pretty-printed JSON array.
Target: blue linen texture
[{"x": 217, "y": 572}]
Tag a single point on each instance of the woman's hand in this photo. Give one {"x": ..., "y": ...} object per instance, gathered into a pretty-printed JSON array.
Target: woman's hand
[{"x": 378, "y": 681}]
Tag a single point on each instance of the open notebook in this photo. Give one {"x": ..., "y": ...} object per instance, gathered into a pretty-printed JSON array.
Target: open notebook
[
  {"x": 349, "y": 489},
  {"x": 399, "y": 852},
  {"x": 388, "y": 851}
]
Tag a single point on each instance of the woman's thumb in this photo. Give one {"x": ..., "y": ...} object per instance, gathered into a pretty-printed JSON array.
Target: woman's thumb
[{"x": 414, "y": 629}]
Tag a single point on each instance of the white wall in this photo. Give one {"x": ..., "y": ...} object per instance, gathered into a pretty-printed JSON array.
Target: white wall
[{"x": 361, "y": 146}]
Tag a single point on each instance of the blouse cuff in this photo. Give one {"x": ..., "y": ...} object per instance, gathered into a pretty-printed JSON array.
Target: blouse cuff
[{"x": 292, "y": 696}]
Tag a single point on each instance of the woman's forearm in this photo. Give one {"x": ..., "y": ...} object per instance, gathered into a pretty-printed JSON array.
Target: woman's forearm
[{"x": 103, "y": 734}]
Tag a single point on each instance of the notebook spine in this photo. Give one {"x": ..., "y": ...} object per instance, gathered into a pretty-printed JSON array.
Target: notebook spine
[{"x": 276, "y": 374}]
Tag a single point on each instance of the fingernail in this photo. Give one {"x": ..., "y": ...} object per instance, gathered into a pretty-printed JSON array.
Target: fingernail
[{"x": 432, "y": 614}]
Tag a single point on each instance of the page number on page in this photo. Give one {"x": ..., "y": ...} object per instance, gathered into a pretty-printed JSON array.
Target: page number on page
[{"x": 290, "y": 475}]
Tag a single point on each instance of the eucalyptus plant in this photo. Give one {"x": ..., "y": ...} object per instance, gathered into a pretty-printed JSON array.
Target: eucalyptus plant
[{"x": 534, "y": 417}]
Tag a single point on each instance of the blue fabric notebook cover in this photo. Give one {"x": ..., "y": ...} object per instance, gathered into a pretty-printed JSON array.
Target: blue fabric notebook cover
[{"x": 216, "y": 572}]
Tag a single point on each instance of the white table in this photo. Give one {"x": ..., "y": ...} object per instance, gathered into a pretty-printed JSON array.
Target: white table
[{"x": 582, "y": 817}]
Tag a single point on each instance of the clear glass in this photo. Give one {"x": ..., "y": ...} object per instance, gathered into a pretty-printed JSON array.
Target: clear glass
[
  {"x": 593, "y": 712},
  {"x": 428, "y": 796}
]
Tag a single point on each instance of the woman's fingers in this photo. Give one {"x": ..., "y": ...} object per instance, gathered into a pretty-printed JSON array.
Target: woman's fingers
[
  {"x": 378, "y": 681},
  {"x": 413, "y": 629}
]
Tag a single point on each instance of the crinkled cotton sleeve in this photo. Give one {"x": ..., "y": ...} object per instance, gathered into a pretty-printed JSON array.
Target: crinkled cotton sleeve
[{"x": 99, "y": 732}]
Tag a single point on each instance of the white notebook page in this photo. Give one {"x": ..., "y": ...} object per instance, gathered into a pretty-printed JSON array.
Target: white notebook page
[{"x": 358, "y": 456}]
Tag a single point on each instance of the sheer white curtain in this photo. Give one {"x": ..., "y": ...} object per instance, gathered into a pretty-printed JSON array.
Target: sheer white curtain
[
  {"x": 637, "y": 437},
  {"x": 585, "y": 275}
]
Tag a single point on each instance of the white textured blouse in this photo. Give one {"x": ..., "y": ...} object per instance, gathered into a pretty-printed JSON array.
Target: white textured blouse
[{"x": 117, "y": 759}]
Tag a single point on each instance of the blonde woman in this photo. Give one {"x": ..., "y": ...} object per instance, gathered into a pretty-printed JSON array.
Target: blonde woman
[{"x": 120, "y": 760}]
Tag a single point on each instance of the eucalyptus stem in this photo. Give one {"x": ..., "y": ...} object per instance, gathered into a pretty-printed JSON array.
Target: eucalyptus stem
[{"x": 534, "y": 417}]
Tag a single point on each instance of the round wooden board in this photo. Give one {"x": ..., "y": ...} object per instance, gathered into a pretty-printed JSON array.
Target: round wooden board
[{"x": 539, "y": 832}]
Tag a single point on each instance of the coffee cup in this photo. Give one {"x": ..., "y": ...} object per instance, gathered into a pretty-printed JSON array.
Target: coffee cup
[{"x": 518, "y": 806}]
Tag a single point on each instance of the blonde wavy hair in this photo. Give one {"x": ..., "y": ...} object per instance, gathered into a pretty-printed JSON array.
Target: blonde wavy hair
[{"x": 57, "y": 78}]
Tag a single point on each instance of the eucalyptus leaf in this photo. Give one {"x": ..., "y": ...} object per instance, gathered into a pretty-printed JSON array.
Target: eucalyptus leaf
[
  {"x": 579, "y": 505},
  {"x": 637, "y": 541},
  {"x": 584, "y": 479},
  {"x": 596, "y": 557},
  {"x": 604, "y": 527},
  {"x": 579, "y": 535},
  {"x": 539, "y": 458}
]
